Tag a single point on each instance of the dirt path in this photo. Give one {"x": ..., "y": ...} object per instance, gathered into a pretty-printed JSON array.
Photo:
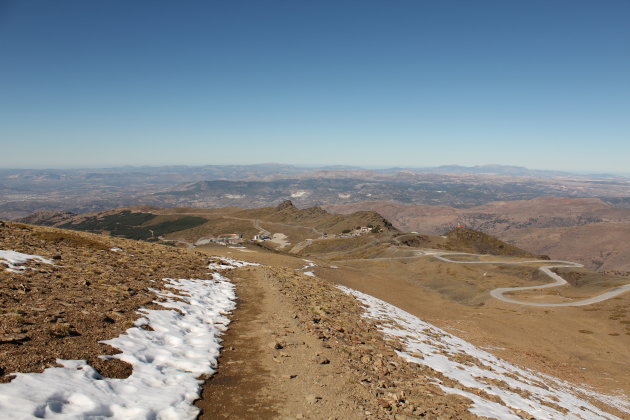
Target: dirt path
[
  {"x": 272, "y": 368},
  {"x": 299, "y": 348},
  {"x": 236, "y": 391}
]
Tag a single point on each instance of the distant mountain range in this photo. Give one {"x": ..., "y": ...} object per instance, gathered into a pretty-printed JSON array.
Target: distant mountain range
[{"x": 24, "y": 191}]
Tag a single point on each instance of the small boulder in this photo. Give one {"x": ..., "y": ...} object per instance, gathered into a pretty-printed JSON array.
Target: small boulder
[{"x": 322, "y": 360}]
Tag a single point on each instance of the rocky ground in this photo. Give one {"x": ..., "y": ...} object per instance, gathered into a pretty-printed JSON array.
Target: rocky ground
[
  {"x": 299, "y": 348},
  {"x": 91, "y": 293}
]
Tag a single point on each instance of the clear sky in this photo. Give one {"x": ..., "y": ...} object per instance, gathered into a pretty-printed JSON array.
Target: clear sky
[{"x": 536, "y": 83}]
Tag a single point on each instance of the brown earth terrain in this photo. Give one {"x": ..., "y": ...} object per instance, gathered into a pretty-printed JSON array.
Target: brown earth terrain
[
  {"x": 91, "y": 293},
  {"x": 585, "y": 230},
  {"x": 188, "y": 226},
  {"x": 583, "y": 345},
  {"x": 299, "y": 347}
]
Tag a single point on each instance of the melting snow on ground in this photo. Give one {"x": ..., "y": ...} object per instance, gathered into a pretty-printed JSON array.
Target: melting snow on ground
[
  {"x": 309, "y": 264},
  {"x": 13, "y": 259},
  {"x": 240, "y": 248},
  {"x": 227, "y": 263},
  {"x": 167, "y": 362},
  {"x": 481, "y": 376}
]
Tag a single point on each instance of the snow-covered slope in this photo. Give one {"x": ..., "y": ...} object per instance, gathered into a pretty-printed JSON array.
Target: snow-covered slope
[{"x": 496, "y": 388}]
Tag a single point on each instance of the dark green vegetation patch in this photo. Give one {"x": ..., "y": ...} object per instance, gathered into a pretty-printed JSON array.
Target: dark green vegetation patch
[{"x": 130, "y": 225}]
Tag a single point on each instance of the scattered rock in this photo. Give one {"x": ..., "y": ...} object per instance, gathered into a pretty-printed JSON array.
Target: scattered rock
[
  {"x": 276, "y": 345},
  {"x": 384, "y": 403},
  {"x": 15, "y": 338},
  {"x": 323, "y": 360},
  {"x": 312, "y": 399}
]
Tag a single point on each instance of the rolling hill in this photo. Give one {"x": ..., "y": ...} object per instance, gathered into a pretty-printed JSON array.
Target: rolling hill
[
  {"x": 586, "y": 230},
  {"x": 377, "y": 325}
]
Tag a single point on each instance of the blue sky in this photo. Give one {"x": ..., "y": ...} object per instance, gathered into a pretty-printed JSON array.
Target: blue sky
[{"x": 542, "y": 84}]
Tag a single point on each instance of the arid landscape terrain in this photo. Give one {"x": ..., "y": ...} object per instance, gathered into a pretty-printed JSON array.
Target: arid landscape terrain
[
  {"x": 586, "y": 230},
  {"x": 566, "y": 216},
  {"x": 23, "y": 192},
  {"x": 336, "y": 316},
  {"x": 323, "y": 210}
]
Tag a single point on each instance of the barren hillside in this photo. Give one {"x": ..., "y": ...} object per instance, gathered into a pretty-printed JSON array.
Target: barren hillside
[
  {"x": 392, "y": 329},
  {"x": 585, "y": 230}
]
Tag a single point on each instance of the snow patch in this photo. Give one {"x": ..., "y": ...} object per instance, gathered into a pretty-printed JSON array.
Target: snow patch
[
  {"x": 308, "y": 265},
  {"x": 13, "y": 259},
  {"x": 483, "y": 407},
  {"x": 540, "y": 395},
  {"x": 227, "y": 263},
  {"x": 167, "y": 361},
  {"x": 240, "y": 248}
]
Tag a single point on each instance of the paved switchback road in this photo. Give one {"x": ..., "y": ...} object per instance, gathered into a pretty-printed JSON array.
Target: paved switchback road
[
  {"x": 499, "y": 293},
  {"x": 546, "y": 269}
]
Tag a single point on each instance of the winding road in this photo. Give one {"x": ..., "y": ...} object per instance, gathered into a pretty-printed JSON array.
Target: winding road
[
  {"x": 499, "y": 293},
  {"x": 546, "y": 269}
]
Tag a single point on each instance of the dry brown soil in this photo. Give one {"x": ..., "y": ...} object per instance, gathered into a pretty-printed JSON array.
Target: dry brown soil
[
  {"x": 299, "y": 348},
  {"x": 90, "y": 294}
]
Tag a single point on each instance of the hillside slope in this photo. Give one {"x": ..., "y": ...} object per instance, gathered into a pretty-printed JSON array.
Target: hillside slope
[
  {"x": 585, "y": 230},
  {"x": 87, "y": 289},
  {"x": 300, "y": 346},
  {"x": 190, "y": 226}
]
